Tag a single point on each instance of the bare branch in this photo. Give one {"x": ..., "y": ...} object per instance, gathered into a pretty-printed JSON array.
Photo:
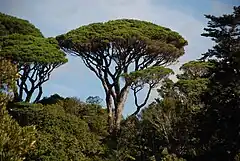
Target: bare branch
[{"x": 145, "y": 100}]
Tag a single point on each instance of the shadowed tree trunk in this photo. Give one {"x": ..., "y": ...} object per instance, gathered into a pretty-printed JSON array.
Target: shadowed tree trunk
[{"x": 40, "y": 92}]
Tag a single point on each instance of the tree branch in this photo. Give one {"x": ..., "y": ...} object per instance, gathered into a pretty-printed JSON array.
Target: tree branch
[{"x": 144, "y": 102}]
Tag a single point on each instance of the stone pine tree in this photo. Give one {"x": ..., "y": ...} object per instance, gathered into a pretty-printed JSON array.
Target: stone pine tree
[
  {"x": 10, "y": 25},
  {"x": 36, "y": 57},
  {"x": 124, "y": 54}
]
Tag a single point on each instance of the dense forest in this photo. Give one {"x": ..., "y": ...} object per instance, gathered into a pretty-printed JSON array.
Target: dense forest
[{"x": 195, "y": 118}]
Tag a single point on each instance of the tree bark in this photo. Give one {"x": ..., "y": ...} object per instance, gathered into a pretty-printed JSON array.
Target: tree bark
[
  {"x": 29, "y": 95},
  {"x": 110, "y": 112},
  {"x": 21, "y": 89},
  {"x": 40, "y": 92},
  {"x": 118, "y": 114},
  {"x": 119, "y": 106}
]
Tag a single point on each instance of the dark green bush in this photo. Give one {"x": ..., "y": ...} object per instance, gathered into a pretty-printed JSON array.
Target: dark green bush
[
  {"x": 62, "y": 135},
  {"x": 15, "y": 141}
]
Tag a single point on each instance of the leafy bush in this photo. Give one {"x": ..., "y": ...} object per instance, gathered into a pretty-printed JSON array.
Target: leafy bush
[
  {"x": 62, "y": 135},
  {"x": 15, "y": 141}
]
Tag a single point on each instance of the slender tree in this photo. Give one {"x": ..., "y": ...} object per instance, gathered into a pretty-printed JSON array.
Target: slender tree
[
  {"x": 119, "y": 48},
  {"x": 35, "y": 56},
  {"x": 150, "y": 77}
]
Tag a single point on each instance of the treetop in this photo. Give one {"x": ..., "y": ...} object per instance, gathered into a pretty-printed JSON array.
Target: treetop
[
  {"x": 197, "y": 65},
  {"x": 10, "y": 25},
  {"x": 195, "y": 69},
  {"x": 27, "y": 48},
  {"x": 149, "y": 75},
  {"x": 124, "y": 29}
]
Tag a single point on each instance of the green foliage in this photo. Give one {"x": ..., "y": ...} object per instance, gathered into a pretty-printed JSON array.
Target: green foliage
[
  {"x": 93, "y": 114},
  {"x": 15, "y": 141},
  {"x": 94, "y": 100},
  {"x": 192, "y": 89},
  {"x": 53, "y": 99},
  {"x": 8, "y": 73},
  {"x": 195, "y": 118},
  {"x": 167, "y": 89},
  {"x": 36, "y": 57},
  {"x": 237, "y": 157},
  {"x": 193, "y": 82},
  {"x": 65, "y": 130},
  {"x": 224, "y": 30},
  {"x": 152, "y": 76},
  {"x": 11, "y": 25},
  {"x": 30, "y": 49},
  {"x": 127, "y": 146},
  {"x": 195, "y": 69},
  {"x": 170, "y": 126},
  {"x": 8, "y": 76},
  {"x": 220, "y": 119},
  {"x": 172, "y": 158},
  {"x": 164, "y": 126},
  {"x": 124, "y": 47},
  {"x": 124, "y": 29},
  {"x": 170, "y": 123}
]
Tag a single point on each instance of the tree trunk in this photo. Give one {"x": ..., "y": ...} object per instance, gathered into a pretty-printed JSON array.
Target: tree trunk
[
  {"x": 118, "y": 115},
  {"x": 110, "y": 112},
  {"x": 16, "y": 96},
  {"x": 119, "y": 106},
  {"x": 40, "y": 92},
  {"x": 29, "y": 95},
  {"x": 20, "y": 95}
]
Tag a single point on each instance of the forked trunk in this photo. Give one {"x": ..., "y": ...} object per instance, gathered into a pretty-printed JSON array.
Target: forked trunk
[
  {"x": 119, "y": 106},
  {"x": 115, "y": 111}
]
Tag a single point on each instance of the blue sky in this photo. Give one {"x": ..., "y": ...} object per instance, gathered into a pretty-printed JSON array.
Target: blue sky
[{"x": 55, "y": 17}]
